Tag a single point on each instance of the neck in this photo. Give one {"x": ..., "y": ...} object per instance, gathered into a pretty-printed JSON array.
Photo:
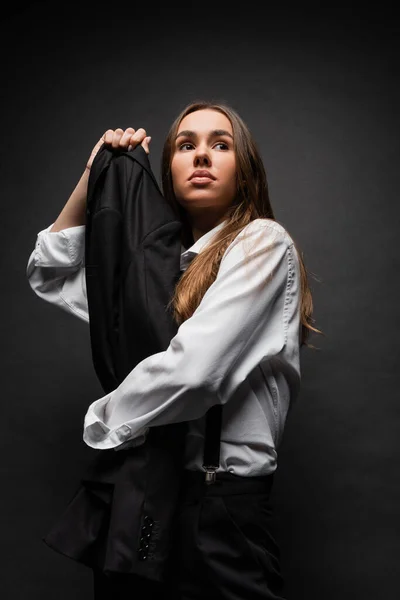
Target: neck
[{"x": 201, "y": 224}]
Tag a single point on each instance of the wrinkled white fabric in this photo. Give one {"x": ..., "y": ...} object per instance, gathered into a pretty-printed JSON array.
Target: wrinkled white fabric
[{"x": 240, "y": 348}]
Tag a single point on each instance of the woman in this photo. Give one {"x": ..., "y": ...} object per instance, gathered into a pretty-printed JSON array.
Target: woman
[{"x": 244, "y": 309}]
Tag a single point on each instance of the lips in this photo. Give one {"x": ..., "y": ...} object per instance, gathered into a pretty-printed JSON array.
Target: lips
[{"x": 201, "y": 174}]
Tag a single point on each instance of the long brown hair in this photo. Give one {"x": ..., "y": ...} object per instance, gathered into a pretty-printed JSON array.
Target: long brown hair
[{"x": 251, "y": 202}]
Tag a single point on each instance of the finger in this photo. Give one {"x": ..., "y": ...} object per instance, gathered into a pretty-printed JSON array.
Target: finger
[
  {"x": 116, "y": 137},
  {"x": 146, "y": 143},
  {"x": 138, "y": 137},
  {"x": 128, "y": 133},
  {"x": 108, "y": 136}
]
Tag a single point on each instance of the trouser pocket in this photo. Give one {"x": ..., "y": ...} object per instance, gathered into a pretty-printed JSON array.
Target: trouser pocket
[{"x": 251, "y": 520}]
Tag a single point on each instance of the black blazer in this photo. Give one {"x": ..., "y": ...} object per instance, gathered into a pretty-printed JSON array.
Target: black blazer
[{"x": 122, "y": 515}]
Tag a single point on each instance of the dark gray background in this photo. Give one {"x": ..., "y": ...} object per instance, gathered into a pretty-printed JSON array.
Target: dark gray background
[{"x": 319, "y": 90}]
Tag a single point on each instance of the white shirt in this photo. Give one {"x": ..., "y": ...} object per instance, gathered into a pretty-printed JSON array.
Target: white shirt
[{"x": 240, "y": 348}]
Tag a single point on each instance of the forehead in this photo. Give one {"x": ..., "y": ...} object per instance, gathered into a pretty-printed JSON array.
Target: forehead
[{"x": 204, "y": 120}]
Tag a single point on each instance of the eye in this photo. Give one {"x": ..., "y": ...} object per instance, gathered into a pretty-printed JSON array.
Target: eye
[
  {"x": 186, "y": 144},
  {"x": 217, "y": 144},
  {"x": 222, "y": 144}
]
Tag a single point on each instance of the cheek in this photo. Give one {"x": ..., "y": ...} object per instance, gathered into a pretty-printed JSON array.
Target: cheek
[
  {"x": 177, "y": 169},
  {"x": 230, "y": 173},
  {"x": 178, "y": 176}
]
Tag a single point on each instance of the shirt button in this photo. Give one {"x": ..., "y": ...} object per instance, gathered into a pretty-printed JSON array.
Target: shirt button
[
  {"x": 96, "y": 431},
  {"x": 123, "y": 432}
]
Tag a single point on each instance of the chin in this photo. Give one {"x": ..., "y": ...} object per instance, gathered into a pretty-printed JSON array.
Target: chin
[{"x": 197, "y": 201}]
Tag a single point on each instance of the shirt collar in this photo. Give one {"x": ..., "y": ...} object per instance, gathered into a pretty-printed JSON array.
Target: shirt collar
[{"x": 188, "y": 255}]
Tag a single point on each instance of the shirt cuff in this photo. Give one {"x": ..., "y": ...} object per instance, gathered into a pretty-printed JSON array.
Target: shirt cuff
[
  {"x": 98, "y": 435},
  {"x": 63, "y": 248}
]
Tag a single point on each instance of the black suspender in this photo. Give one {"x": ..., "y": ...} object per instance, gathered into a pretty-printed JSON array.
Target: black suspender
[{"x": 212, "y": 442}]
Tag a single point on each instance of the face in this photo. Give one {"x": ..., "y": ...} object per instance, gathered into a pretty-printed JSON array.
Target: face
[{"x": 204, "y": 142}]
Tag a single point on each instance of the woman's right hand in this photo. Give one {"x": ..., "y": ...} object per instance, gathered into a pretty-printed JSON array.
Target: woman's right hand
[{"x": 119, "y": 138}]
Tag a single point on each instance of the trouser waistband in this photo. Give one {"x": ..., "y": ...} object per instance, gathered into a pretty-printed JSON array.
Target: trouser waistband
[{"x": 194, "y": 484}]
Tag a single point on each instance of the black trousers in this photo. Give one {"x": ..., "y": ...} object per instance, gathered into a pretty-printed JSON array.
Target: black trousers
[{"x": 224, "y": 548}]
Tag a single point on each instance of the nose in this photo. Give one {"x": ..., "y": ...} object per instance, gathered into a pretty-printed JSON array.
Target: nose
[{"x": 201, "y": 157}]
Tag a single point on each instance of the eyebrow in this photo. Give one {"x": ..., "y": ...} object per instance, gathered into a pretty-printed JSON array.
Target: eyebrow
[{"x": 213, "y": 133}]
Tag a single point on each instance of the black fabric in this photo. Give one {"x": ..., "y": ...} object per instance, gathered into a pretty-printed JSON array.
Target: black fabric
[
  {"x": 132, "y": 260},
  {"x": 132, "y": 250},
  {"x": 224, "y": 546},
  {"x": 212, "y": 436}
]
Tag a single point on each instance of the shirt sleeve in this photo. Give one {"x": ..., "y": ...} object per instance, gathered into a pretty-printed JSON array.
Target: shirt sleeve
[
  {"x": 239, "y": 321},
  {"x": 56, "y": 271}
]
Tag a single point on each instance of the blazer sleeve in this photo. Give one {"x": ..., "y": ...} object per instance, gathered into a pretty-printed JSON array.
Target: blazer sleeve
[
  {"x": 240, "y": 320},
  {"x": 56, "y": 272}
]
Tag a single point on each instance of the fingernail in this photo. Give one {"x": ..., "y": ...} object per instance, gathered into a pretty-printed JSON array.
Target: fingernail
[{"x": 148, "y": 139}]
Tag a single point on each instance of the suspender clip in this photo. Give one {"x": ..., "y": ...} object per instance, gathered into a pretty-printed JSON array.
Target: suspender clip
[{"x": 210, "y": 474}]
